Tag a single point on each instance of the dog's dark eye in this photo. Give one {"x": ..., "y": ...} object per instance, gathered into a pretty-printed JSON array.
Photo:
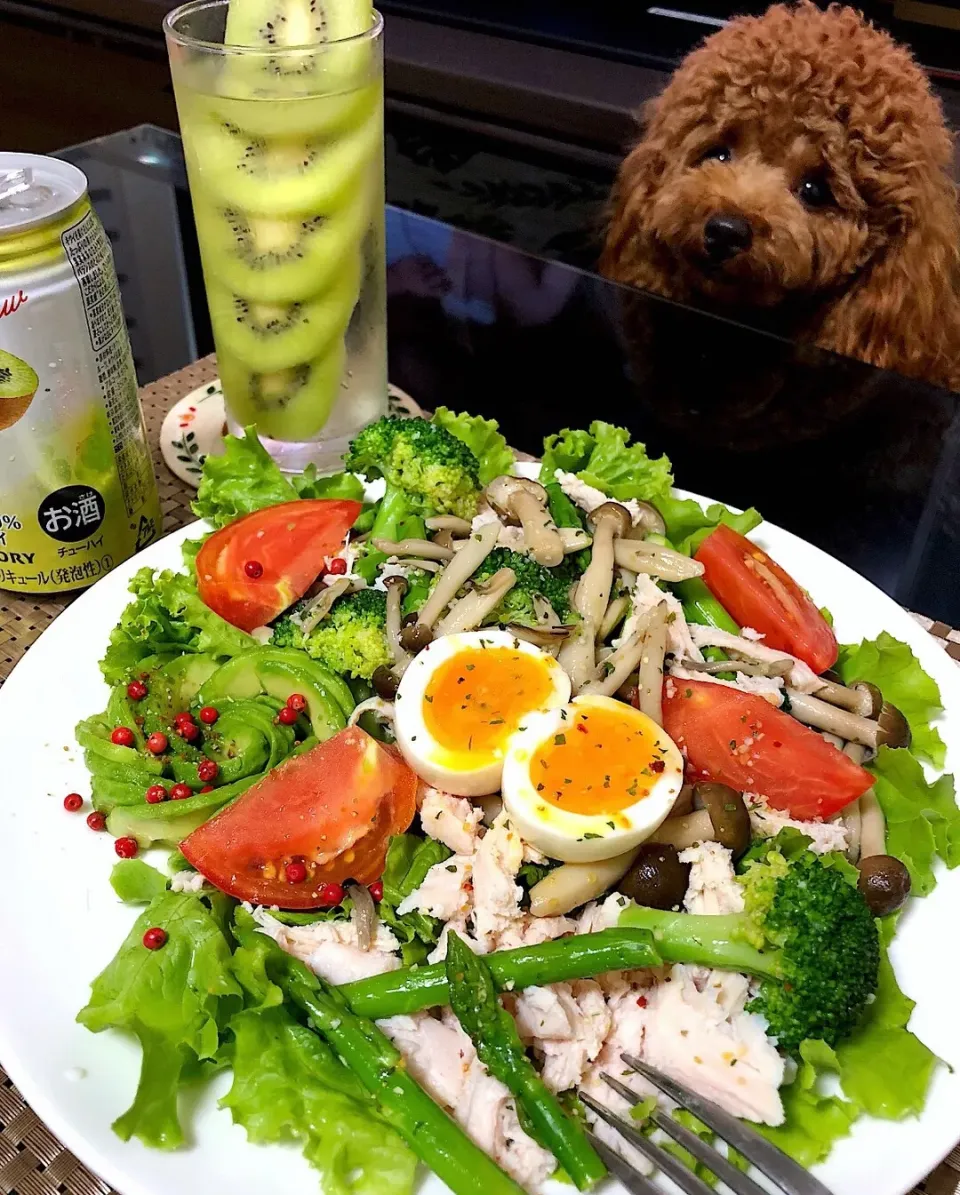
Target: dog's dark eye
[
  {"x": 814, "y": 191},
  {"x": 716, "y": 153}
]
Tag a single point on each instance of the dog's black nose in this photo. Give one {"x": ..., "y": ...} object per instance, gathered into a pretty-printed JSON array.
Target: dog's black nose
[{"x": 725, "y": 236}]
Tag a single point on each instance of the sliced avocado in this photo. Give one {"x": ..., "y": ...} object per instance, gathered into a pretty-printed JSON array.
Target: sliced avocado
[
  {"x": 120, "y": 712},
  {"x": 172, "y": 821},
  {"x": 245, "y": 740},
  {"x": 186, "y": 674},
  {"x": 280, "y": 679},
  {"x": 281, "y": 671},
  {"x": 93, "y": 735},
  {"x": 150, "y": 664},
  {"x": 107, "y": 793}
]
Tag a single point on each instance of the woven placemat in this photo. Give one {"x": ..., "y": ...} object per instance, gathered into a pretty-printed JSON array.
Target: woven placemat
[{"x": 32, "y": 1160}]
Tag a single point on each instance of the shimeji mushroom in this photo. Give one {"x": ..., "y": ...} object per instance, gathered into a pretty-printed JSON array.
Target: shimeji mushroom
[
  {"x": 468, "y": 612},
  {"x": 650, "y": 674},
  {"x": 452, "y": 523},
  {"x": 608, "y": 522},
  {"x": 656, "y": 561},
  {"x": 385, "y": 680},
  {"x": 890, "y": 729},
  {"x": 616, "y": 667},
  {"x": 656, "y": 879},
  {"x": 426, "y": 548},
  {"x": 520, "y": 500},
  {"x": 320, "y": 606},
  {"x": 573, "y": 884},
  {"x": 724, "y": 818},
  {"x": 454, "y": 576},
  {"x": 860, "y": 698},
  {"x": 884, "y": 880}
]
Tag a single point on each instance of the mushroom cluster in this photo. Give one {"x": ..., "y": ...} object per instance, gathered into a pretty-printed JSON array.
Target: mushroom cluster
[{"x": 626, "y": 633}]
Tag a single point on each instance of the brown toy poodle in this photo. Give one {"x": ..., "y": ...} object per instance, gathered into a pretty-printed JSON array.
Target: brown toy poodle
[{"x": 795, "y": 173}]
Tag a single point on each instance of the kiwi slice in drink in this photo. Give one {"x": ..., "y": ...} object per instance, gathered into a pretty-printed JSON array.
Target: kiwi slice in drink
[
  {"x": 282, "y": 175},
  {"x": 288, "y": 404},
  {"x": 18, "y": 385},
  {"x": 309, "y": 117},
  {"x": 280, "y": 24},
  {"x": 278, "y": 261},
  {"x": 312, "y": 38},
  {"x": 275, "y": 336}
]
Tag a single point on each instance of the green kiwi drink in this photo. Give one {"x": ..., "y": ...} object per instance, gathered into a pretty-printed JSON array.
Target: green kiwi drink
[
  {"x": 281, "y": 114},
  {"x": 77, "y": 489}
]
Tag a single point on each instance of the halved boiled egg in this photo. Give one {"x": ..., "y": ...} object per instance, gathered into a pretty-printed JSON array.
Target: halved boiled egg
[
  {"x": 590, "y": 780},
  {"x": 463, "y": 697}
]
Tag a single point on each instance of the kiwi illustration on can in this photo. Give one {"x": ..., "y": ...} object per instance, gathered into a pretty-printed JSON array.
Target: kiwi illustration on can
[{"x": 18, "y": 385}]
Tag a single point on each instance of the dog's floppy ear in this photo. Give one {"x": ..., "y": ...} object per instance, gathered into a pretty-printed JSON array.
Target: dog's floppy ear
[
  {"x": 626, "y": 256},
  {"x": 905, "y": 315}
]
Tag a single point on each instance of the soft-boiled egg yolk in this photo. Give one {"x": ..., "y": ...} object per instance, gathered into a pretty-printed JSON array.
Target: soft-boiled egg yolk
[
  {"x": 462, "y": 698},
  {"x": 591, "y": 780}
]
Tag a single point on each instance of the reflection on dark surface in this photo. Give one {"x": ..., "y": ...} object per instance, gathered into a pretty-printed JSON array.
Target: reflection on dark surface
[{"x": 860, "y": 462}]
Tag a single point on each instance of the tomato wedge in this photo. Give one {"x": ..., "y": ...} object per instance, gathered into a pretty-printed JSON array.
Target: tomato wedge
[
  {"x": 739, "y": 739},
  {"x": 252, "y": 570},
  {"x": 760, "y": 594},
  {"x": 334, "y": 809}
]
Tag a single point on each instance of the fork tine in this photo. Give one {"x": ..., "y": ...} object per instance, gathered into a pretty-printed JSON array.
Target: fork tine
[
  {"x": 736, "y": 1180},
  {"x": 632, "y": 1179},
  {"x": 685, "y": 1179},
  {"x": 768, "y": 1159}
]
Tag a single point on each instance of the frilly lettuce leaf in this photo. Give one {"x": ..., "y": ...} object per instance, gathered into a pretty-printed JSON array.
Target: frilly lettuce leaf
[
  {"x": 688, "y": 524},
  {"x": 604, "y": 458},
  {"x": 409, "y": 858},
  {"x": 136, "y": 882},
  {"x": 172, "y": 1000},
  {"x": 146, "y": 627},
  {"x": 166, "y": 617},
  {"x": 288, "y": 1085},
  {"x": 245, "y": 478},
  {"x": 482, "y": 437},
  {"x": 813, "y": 1121},
  {"x": 922, "y": 818},
  {"x": 884, "y": 1068},
  {"x": 893, "y": 667}
]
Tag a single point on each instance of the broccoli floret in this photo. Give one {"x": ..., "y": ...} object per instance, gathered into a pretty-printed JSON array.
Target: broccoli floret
[
  {"x": 437, "y": 473},
  {"x": 351, "y": 640},
  {"x": 286, "y": 633},
  {"x": 532, "y": 578},
  {"x": 427, "y": 471},
  {"x": 805, "y": 931}
]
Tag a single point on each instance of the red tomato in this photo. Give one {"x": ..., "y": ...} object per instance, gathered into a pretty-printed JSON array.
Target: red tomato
[
  {"x": 739, "y": 739},
  {"x": 759, "y": 594},
  {"x": 333, "y": 809},
  {"x": 252, "y": 570}
]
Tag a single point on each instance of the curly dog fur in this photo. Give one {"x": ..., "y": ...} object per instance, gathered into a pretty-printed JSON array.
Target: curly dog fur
[{"x": 824, "y": 136}]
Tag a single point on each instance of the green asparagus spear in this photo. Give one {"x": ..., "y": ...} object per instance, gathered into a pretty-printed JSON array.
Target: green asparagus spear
[
  {"x": 577, "y": 957},
  {"x": 473, "y": 997},
  {"x": 433, "y": 1136},
  {"x": 700, "y": 606}
]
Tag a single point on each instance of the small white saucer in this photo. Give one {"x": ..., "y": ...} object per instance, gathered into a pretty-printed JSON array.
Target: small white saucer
[{"x": 194, "y": 428}]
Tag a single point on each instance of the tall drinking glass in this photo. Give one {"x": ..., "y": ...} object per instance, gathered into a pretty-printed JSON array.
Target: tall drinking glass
[{"x": 284, "y": 152}]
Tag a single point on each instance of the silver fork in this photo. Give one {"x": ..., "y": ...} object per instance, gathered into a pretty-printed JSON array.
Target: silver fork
[{"x": 788, "y": 1176}]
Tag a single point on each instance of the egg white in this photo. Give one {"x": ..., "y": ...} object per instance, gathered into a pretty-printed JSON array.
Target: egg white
[
  {"x": 468, "y": 773},
  {"x": 576, "y": 837}
]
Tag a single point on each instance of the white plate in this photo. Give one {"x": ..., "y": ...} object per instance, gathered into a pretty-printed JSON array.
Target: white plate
[{"x": 61, "y": 923}]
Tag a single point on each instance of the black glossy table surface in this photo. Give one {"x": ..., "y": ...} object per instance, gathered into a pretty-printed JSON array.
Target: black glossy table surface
[{"x": 861, "y": 462}]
